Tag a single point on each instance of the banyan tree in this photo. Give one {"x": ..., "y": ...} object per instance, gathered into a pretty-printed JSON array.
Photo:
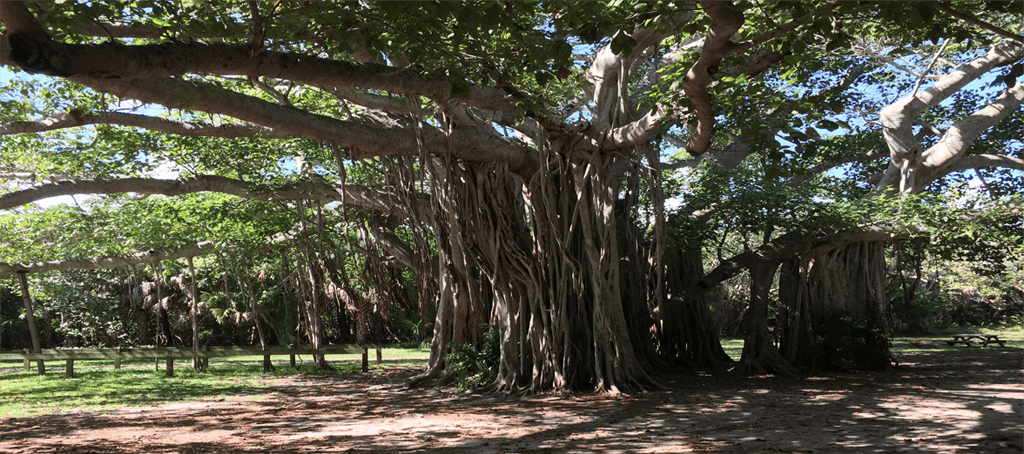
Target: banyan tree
[{"x": 512, "y": 155}]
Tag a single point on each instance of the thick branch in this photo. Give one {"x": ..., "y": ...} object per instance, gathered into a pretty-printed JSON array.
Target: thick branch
[
  {"x": 365, "y": 140},
  {"x": 982, "y": 161},
  {"x": 608, "y": 70},
  {"x": 118, "y": 61},
  {"x": 898, "y": 118},
  {"x": 151, "y": 256},
  {"x": 169, "y": 126},
  {"x": 959, "y": 137},
  {"x": 354, "y": 195},
  {"x": 635, "y": 133},
  {"x": 788, "y": 246},
  {"x": 726, "y": 21}
]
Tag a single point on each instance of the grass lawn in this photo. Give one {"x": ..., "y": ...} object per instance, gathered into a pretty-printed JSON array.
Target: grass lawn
[
  {"x": 925, "y": 343},
  {"x": 97, "y": 386},
  {"x": 936, "y": 342}
]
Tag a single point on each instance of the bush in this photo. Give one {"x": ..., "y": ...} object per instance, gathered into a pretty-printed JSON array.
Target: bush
[
  {"x": 474, "y": 366},
  {"x": 845, "y": 342}
]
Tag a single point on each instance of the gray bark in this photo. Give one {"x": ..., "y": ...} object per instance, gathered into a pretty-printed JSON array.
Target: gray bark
[{"x": 30, "y": 318}]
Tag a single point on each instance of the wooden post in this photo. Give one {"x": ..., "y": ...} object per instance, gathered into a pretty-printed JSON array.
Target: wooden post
[
  {"x": 366, "y": 360},
  {"x": 117, "y": 359},
  {"x": 69, "y": 369},
  {"x": 197, "y": 363},
  {"x": 379, "y": 358},
  {"x": 170, "y": 365},
  {"x": 31, "y": 319},
  {"x": 292, "y": 357}
]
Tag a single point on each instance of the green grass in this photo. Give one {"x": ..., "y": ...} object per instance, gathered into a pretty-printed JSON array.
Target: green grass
[
  {"x": 927, "y": 343},
  {"x": 29, "y": 394},
  {"x": 139, "y": 382},
  {"x": 936, "y": 343},
  {"x": 733, "y": 345}
]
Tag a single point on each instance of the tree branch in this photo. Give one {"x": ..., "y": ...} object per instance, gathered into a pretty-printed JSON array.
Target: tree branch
[
  {"x": 980, "y": 23},
  {"x": 165, "y": 125},
  {"x": 981, "y": 161},
  {"x": 788, "y": 246},
  {"x": 790, "y": 26},
  {"x": 607, "y": 70},
  {"x": 117, "y": 61},
  {"x": 366, "y": 141},
  {"x": 354, "y": 195},
  {"x": 824, "y": 167},
  {"x": 726, "y": 21},
  {"x": 898, "y": 118},
  {"x": 959, "y": 137},
  {"x": 150, "y": 256}
]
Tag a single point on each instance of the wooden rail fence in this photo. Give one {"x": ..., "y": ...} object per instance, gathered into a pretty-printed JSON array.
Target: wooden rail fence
[{"x": 170, "y": 353}]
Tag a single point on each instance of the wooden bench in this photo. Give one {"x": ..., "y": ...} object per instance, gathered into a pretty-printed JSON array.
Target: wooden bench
[{"x": 967, "y": 339}]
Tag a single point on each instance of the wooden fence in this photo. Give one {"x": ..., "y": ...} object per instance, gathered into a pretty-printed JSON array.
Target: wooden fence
[{"x": 170, "y": 353}]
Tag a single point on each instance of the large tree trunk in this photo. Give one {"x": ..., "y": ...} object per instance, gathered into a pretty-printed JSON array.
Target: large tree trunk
[
  {"x": 164, "y": 335},
  {"x": 557, "y": 300},
  {"x": 849, "y": 279},
  {"x": 144, "y": 307},
  {"x": 760, "y": 355},
  {"x": 197, "y": 363},
  {"x": 460, "y": 313},
  {"x": 257, "y": 319},
  {"x": 639, "y": 257},
  {"x": 687, "y": 334},
  {"x": 30, "y": 318},
  {"x": 615, "y": 365}
]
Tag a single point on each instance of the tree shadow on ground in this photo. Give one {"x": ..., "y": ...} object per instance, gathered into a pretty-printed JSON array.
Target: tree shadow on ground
[{"x": 962, "y": 402}]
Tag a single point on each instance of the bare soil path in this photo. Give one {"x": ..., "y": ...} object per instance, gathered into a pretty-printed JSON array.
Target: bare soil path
[{"x": 968, "y": 402}]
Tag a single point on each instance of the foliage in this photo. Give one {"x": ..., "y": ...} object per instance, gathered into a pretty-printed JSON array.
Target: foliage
[
  {"x": 846, "y": 342},
  {"x": 799, "y": 88},
  {"x": 13, "y": 329},
  {"x": 475, "y": 366}
]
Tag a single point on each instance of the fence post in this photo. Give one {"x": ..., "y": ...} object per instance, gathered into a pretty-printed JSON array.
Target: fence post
[
  {"x": 170, "y": 365},
  {"x": 268, "y": 366},
  {"x": 366, "y": 359},
  {"x": 69, "y": 369},
  {"x": 292, "y": 357},
  {"x": 379, "y": 358},
  {"x": 117, "y": 359}
]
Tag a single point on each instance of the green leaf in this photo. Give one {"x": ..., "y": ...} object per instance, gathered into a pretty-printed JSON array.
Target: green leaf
[{"x": 460, "y": 88}]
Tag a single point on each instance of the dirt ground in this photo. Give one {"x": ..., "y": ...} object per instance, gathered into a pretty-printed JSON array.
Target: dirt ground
[{"x": 968, "y": 402}]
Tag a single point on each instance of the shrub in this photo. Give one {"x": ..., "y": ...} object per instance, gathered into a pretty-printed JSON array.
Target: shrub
[
  {"x": 845, "y": 342},
  {"x": 475, "y": 366}
]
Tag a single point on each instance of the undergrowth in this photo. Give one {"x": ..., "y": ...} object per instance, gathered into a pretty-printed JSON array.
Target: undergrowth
[{"x": 475, "y": 366}]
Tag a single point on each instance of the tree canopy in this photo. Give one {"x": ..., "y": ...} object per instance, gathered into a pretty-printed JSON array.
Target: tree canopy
[{"x": 560, "y": 171}]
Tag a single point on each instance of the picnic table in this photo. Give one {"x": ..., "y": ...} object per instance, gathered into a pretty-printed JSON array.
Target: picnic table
[{"x": 966, "y": 339}]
